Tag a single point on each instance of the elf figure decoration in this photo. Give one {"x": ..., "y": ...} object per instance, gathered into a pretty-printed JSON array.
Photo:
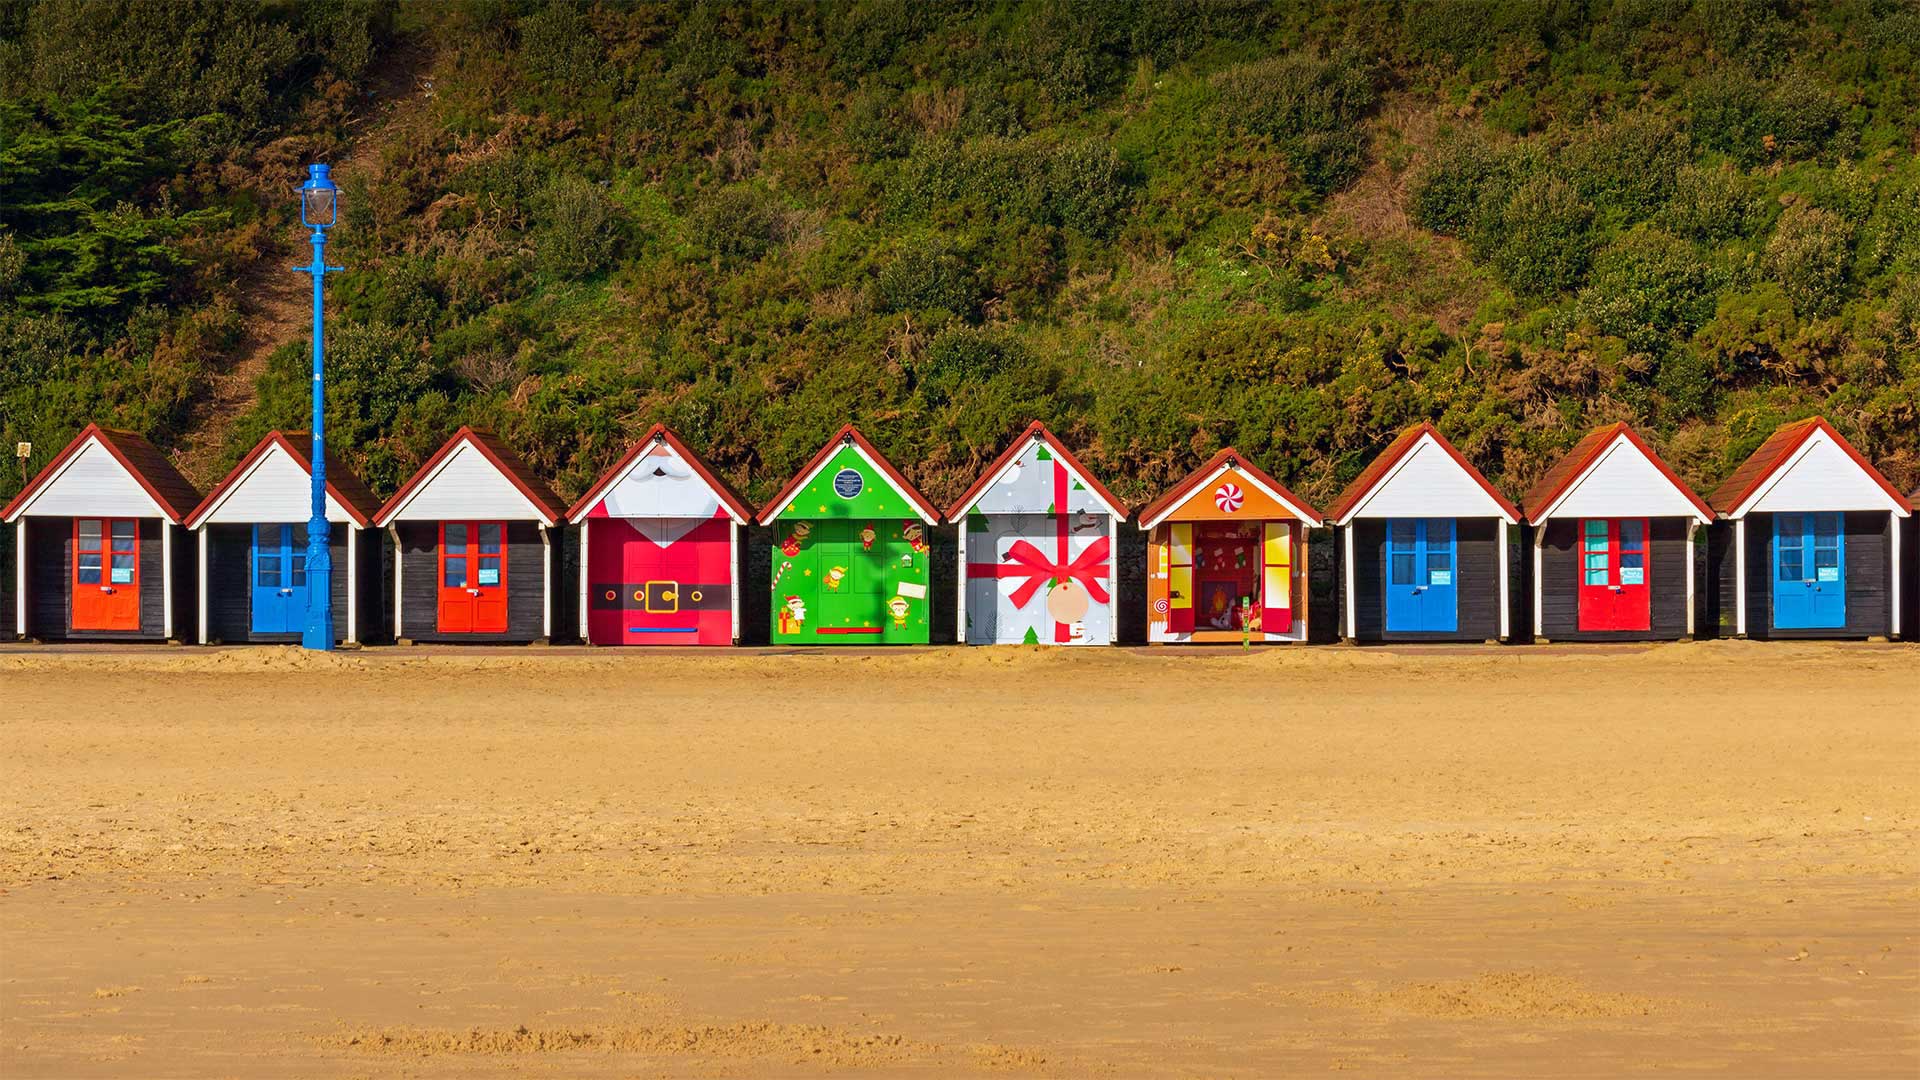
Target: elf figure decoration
[{"x": 1039, "y": 551}]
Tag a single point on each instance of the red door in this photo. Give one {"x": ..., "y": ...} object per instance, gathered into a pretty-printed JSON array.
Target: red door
[
  {"x": 473, "y": 577},
  {"x": 660, "y": 581},
  {"x": 1614, "y": 594},
  {"x": 106, "y": 574}
]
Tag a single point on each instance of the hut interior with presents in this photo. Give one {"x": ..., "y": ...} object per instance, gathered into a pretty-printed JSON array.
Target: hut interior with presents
[
  {"x": 1227, "y": 557},
  {"x": 660, "y": 548},
  {"x": 1426, "y": 555},
  {"x": 1816, "y": 547},
  {"x": 100, "y": 551},
  {"x": 251, "y": 548},
  {"x": 851, "y": 561},
  {"x": 474, "y": 534},
  {"x": 1614, "y": 551},
  {"x": 1037, "y": 537}
]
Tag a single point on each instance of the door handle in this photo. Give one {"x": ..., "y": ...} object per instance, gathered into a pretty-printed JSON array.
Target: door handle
[
  {"x": 106, "y": 589},
  {"x": 473, "y": 592}
]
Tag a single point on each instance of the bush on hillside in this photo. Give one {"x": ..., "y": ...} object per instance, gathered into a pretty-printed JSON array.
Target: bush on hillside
[
  {"x": 1311, "y": 106},
  {"x": 1808, "y": 255}
]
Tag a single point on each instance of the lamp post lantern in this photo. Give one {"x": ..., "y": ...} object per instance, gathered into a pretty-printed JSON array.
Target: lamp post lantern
[{"x": 319, "y": 210}]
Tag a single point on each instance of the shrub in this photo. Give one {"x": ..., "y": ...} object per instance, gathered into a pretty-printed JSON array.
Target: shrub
[
  {"x": 1086, "y": 188},
  {"x": 1310, "y": 106},
  {"x": 1446, "y": 193},
  {"x": 961, "y": 358},
  {"x": 1649, "y": 288},
  {"x": 928, "y": 277},
  {"x": 577, "y": 228},
  {"x": 1808, "y": 256},
  {"x": 1627, "y": 167},
  {"x": 1755, "y": 122},
  {"x": 736, "y": 222},
  {"x": 1539, "y": 238},
  {"x": 559, "y": 50},
  {"x": 1709, "y": 204}
]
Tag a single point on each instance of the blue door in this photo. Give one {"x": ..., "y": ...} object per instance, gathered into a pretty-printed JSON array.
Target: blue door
[
  {"x": 1421, "y": 590},
  {"x": 279, "y": 579},
  {"x": 1809, "y": 572}
]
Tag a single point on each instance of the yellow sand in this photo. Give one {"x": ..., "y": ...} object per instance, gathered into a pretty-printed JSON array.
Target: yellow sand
[{"x": 560, "y": 863}]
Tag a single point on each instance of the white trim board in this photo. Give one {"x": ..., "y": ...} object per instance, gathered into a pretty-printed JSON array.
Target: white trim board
[
  {"x": 91, "y": 483},
  {"x": 274, "y": 488},
  {"x": 1427, "y": 482},
  {"x": 1622, "y": 482},
  {"x": 466, "y": 485},
  {"x": 1819, "y": 476}
]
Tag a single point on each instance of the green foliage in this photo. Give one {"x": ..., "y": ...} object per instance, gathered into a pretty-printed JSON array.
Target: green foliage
[
  {"x": 1160, "y": 226},
  {"x": 1808, "y": 255},
  {"x": 1310, "y": 106}
]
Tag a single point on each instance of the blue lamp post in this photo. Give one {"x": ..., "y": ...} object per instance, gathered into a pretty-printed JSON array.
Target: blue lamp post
[{"x": 319, "y": 210}]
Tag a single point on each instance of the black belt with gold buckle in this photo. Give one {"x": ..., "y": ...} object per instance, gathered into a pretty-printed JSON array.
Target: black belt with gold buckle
[{"x": 658, "y": 597}]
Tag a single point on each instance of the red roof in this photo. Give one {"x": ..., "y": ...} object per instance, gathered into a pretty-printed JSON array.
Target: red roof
[
  {"x": 662, "y": 433},
  {"x": 1199, "y": 476},
  {"x": 1776, "y": 451},
  {"x": 348, "y": 490},
  {"x": 143, "y": 461},
  {"x": 1034, "y": 430},
  {"x": 1569, "y": 469},
  {"x": 847, "y": 434},
  {"x": 1379, "y": 467},
  {"x": 503, "y": 458}
]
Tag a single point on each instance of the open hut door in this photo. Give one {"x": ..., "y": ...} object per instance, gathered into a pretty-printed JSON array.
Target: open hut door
[
  {"x": 106, "y": 574},
  {"x": 1276, "y": 588},
  {"x": 1180, "y": 578}
]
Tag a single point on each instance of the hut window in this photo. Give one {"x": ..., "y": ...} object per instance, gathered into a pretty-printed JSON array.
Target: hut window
[
  {"x": 1400, "y": 544},
  {"x": 1595, "y": 552},
  {"x": 88, "y": 551}
]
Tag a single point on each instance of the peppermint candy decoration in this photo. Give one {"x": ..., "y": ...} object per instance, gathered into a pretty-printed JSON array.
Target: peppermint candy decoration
[
  {"x": 1228, "y": 497},
  {"x": 1160, "y": 606}
]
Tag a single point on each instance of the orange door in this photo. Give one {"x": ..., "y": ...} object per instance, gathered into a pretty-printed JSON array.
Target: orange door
[
  {"x": 473, "y": 577},
  {"x": 106, "y": 574}
]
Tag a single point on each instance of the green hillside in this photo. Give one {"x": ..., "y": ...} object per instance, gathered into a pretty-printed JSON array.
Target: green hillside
[{"x": 1158, "y": 226}]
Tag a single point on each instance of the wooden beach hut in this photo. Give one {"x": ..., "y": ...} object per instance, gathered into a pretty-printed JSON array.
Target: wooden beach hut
[
  {"x": 1227, "y": 555},
  {"x": 1816, "y": 545},
  {"x": 251, "y": 548},
  {"x": 100, "y": 552},
  {"x": 850, "y": 564},
  {"x": 1037, "y": 541},
  {"x": 475, "y": 534},
  {"x": 1614, "y": 557},
  {"x": 660, "y": 549},
  {"x": 1426, "y": 555}
]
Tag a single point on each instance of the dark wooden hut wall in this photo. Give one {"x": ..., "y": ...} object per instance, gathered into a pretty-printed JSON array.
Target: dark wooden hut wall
[
  {"x": 8, "y": 534},
  {"x": 1869, "y": 579},
  {"x": 50, "y": 583},
  {"x": 1478, "y": 569},
  {"x": 420, "y": 585},
  {"x": 1560, "y": 592},
  {"x": 1910, "y": 577}
]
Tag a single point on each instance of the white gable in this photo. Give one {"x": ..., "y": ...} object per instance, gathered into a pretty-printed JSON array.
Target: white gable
[
  {"x": 466, "y": 485},
  {"x": 1622, "y": 482},
  {"x": 91, "y": 483},
  {"x": 1029, "y": 484},
  {"x": 1819, "y": 476},
  {"x": 1427, "y": 482},
  {"x": 659, "y": 483},
  {"x": 274, "y": 488}
]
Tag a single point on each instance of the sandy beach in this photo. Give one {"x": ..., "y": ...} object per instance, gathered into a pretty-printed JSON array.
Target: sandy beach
[{"x": 1470, "y": 862}]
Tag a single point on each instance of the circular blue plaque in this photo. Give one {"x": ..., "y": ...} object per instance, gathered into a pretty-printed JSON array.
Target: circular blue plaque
[{"x": 848, "y": 482}]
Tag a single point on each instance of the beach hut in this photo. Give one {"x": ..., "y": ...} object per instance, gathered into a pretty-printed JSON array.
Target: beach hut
[
  {"x": 251, "y": 547},
  {"x": 660, "y": 547},
  {"x": 1614, "y": 556},
  {"x": 99, "y": 549},
  {"x": 1227, "y": 556},
  {"x": 474, "y": 535},
  {"x": 1426, "y": 554},
  {"x": 1816, "y": 544},
  {"x": 850, "y": 564},
  {"x": 1037, "y": 539}
]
